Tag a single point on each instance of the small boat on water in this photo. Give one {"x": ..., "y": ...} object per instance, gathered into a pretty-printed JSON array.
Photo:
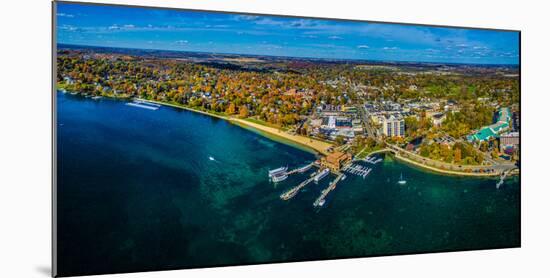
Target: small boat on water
[
  {"x": 211, "y": 158},
  {"x": 323, "y": 173},
  {"x": 142, "y": 104},
  {"x": 305, "y": 168},
  {"x": 279, "y": 177},
  {"x": 277, "y": 171},
  {"x": 142, "y": 101},
  {"x": 401, "y": 180}
]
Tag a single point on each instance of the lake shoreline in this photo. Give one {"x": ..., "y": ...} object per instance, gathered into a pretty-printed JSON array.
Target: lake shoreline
[
  {"x": 309, "y": 143},
  {"x": 302, "y": 142}
]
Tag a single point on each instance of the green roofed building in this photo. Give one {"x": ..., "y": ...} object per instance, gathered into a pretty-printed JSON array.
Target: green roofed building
[
  {"x": 493, "y": 131},
  {"x": 483, "y": 134}
]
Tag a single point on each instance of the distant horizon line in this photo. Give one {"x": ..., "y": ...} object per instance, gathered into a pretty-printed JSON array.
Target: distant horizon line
[{"x": 296, "y": 57}]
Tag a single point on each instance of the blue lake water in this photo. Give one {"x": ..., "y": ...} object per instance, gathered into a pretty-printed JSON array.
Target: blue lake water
[{"x": 149, "y": 190}]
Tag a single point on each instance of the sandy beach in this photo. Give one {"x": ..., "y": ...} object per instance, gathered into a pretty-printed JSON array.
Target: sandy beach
[{"x": 317, "y": 145}]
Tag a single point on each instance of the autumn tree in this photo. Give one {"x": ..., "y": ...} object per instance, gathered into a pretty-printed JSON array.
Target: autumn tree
[
  {"x": 243, "y": 111},
  {"x": 458, "y": 155},
  {"x": 230, "y": 109}
]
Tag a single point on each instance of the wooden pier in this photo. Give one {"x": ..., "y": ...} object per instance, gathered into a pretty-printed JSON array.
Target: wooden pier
[
  {"x": 293, "y": 191},
  {"x": 321, "y": 200},
  {"x": 301, "y": 169},
  {"x": 357, "y": 170}
]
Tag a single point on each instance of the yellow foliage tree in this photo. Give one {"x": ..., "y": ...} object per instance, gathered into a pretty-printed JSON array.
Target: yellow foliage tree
[
  {"x": 243, "y": 111},
  {"x": 231, "y": 109}
]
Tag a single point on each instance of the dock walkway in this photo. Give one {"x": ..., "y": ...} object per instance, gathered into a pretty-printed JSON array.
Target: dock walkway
[
  {"x": 321, "y": 200},
  {"x": 301, "y": 169},
  {"x": 293, "y": 191},
  {"x": 358, "y": 170}
]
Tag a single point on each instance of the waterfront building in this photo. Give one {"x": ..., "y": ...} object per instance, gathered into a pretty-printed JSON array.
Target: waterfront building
[
  {"x": 391, "y": 125},
  {"x": 509, "y": 142},
  {"x": 492, "y": 131},
  {"x": 335, "y": 160}
]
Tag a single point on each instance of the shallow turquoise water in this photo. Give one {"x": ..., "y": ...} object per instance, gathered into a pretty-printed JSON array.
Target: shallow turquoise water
[{"x": 137, "y": 191}]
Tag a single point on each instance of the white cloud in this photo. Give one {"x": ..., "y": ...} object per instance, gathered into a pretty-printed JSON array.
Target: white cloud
[
  {"x": 481, "y": 47},
  {"x": 67, "y": 28},
  {"x": 65, "y": 15},
  {"x": 116, "y": 27},
  {"x": 247, "y": 17}
]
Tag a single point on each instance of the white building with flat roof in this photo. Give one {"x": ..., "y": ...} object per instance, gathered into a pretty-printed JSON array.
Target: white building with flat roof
[{"x": 391, "y": 125}]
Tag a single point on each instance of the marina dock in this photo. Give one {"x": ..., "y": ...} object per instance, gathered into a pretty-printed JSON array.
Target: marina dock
[
  {"x": 282, "y": 173},
  {"x": 321, "y": 200},
  {"x": 350, "y": 167},
  {"x": 502, "y": 178},
  {"x": 300, "y": 170},
  {"x": 358, "y": 170},
  {"x": 293, "y": 191},
  {"x": 372, "y": 160}
]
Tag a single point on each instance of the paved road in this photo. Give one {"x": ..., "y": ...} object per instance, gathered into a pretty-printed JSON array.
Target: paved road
[
  {"x": 366, "y": 123},
  {"x": 497, "y": 168}
]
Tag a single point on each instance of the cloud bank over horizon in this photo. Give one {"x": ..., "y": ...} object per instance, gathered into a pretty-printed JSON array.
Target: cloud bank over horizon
[{"x": 150, "y": 28}]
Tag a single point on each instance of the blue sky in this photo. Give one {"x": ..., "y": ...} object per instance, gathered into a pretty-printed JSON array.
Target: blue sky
[{"x": 150, "y": 28}]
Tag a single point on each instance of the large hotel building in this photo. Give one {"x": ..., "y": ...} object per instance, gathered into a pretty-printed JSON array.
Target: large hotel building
[{"x": 391, "y": 125}]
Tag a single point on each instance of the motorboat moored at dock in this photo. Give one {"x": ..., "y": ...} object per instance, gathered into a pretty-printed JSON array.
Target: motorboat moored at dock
[
  {"x": 143, "y": 104},
  {"x": 277, "y": 171},
  {"x": 321, "y": 175}
]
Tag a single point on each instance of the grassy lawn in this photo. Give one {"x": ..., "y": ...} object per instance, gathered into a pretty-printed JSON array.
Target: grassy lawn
[{"x": 365, "y": 151}]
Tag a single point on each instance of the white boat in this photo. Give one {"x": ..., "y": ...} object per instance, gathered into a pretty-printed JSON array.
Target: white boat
[
  {"x": 401, "y": 180},
  {"x": 142, "y": 105},
  {"x": 278, "y": 178},
  {"x": 305, "y": 168},
  {"x": 321, "y": 175},
  {"x": 142, "y": 101},
  {"x": 211, "y": 158}
]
